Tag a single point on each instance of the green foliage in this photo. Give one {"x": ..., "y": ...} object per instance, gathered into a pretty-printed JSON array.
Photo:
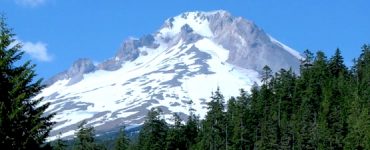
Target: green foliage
[
  {"x": 336, "y": 65},
  {"x": 59, "y": 144},
  {"x": 175, "y": 136},
  {"x": 239, "y": 116},
  {"x": 23, "y": 124},
  {"x": 191, "y": 131},
  {"x": 326, "y": 107},
  {"x": 359, "y": 112},
  {"x": 86, "y": 138},
  {"x": 122, "y": 141},
  {"x": 214, "y": 128},
  {"x": 267, "y": 74},
  {"x": 153, "y": 134}
]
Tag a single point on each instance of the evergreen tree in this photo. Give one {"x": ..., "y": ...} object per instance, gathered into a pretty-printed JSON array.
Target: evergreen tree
[
  {"x": 153, "y": 134},
  {"x": 23, "y": 123},
  {"x": 311, "y": 92},
  {"x": 283, "y": 90},
  {"x": 324, "y": 137},
  {"x": 269, "y": 129},
  {"x": 267, "y": 74},
  {"x": 191, "y": 131},
  {"x": 122, "y": 141},
  {"x": 332, "y": 114},
  {"x": 359, "y": 119},
  {"x": 242, "y": 131},
  {"x": 175, "y": 136},
  {"x": 59, "y": 144},
  {"x": 359, "y": 128},
  {"x": 231, "y": 120},
  {"x": 336, "y": 64},
  {"x": 308, "y": 59},
  {"x": 85, "y": 138},
  {"x": 363, "y": 75},
  {"x": 214, "y": 126},
  {"x": 256, "y": 113}
]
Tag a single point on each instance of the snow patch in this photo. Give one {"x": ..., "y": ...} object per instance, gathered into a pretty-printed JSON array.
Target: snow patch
[
  {"x": 208, "y": 46},
  {"x": 287, "y": 48}
]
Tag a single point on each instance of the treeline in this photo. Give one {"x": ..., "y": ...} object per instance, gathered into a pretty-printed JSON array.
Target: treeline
[{"x": 326, "y": 107}]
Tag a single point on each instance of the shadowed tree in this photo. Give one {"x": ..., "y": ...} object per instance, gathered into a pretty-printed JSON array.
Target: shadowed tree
[
  {"x": 59, "y": 144},
  {"x": 85, "y": 138},
  {"x": 23, "y": 124},
  {"x": 122, "y": 141},
  {"x": 153, "y": 134}
]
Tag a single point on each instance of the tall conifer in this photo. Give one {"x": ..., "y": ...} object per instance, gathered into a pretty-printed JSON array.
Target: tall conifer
[{"x": 23, "y": 123}]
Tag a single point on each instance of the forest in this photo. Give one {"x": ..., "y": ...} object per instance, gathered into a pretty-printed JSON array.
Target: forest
[{"x": 325, "y": 106}]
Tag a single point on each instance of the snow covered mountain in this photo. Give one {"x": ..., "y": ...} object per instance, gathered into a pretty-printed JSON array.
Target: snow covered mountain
[{"x": 185, "y": 60}]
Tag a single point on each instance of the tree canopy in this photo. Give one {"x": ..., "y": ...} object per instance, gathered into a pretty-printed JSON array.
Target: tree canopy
[{"x": 23, "y": 122}]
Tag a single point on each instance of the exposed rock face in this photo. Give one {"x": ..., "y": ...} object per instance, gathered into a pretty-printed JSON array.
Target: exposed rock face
[
  {"x": 187, "y": 58},
  {"x": 129, "y": 50},
  {"x": 81, "y": 66},
  {"x": 75, "y": 72},
  {"x": 250, "y": 47},
  {"x": 187, "y": 34}
]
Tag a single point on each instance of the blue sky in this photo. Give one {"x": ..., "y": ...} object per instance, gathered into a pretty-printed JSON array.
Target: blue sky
[{"x": 57, "y": 32}]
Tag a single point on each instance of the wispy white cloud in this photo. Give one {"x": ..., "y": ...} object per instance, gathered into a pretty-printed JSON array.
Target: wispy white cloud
[
  {"x": 36, "y": 50},
  {"x": 30, "y": 3}
]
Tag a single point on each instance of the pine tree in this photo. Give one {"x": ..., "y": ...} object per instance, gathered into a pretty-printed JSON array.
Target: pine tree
[
  {"x": 213, "y": 131},
  {"x": 308, "y": 58},
  {"x": 23, "y": 123},
  {"x": 242, "y": 132},
  {"x": 363, "y": 75},
  {"x": 333, "y": 109},
  {"x": 267, "y": 74},
  {"x": 359, "y": 132},
  {"x": 59, "y": 144},
  {"x": 256, "y": 113},
  {"x": 85, "y": 138},
  {"x": 283, "y": 90},
  {"x": 153, "y": 134},
  {"x": 191, "y": 130},
  {"x": 231, "y": 119},
  {"x": 336, "y": 64},
  {"x": 311, "y": 90},
  {"x": 122, "y": 141},
  {"x": 359, "y": 119},
  {"x": 269, "y": 128},
  {"x": 175, "y": 136},
  {"x": 324, "y": 137}
]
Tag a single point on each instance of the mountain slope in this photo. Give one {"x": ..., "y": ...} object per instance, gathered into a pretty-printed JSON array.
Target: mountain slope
[{"x": 175, "y": 68}]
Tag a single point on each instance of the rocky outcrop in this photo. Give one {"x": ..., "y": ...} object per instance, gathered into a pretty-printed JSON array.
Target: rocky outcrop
[
  {"x": 75, "y": 72},
  {"x": 250, "y": 47}
]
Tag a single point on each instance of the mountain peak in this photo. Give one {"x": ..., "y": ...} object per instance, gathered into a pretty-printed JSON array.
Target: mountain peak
[
  {"x": 196, "y": 20},
  {"x": 204, "y": 13},
  {"x": 183, "y": 61}
]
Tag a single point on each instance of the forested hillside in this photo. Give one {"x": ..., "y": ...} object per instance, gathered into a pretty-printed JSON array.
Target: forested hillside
[{"x": 325, "y": 107}]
